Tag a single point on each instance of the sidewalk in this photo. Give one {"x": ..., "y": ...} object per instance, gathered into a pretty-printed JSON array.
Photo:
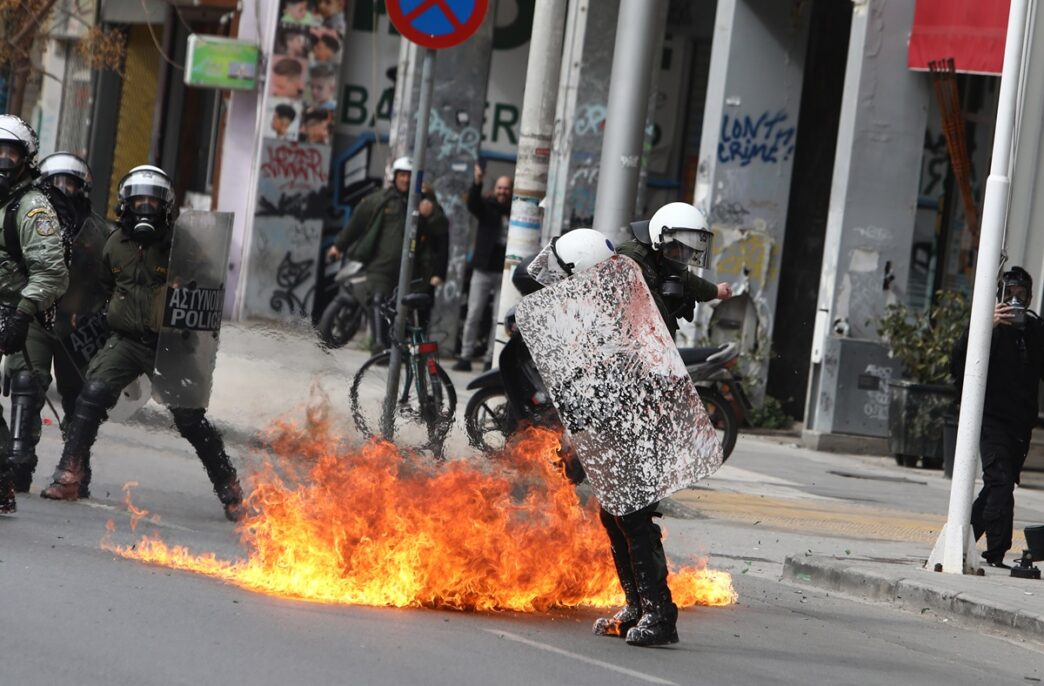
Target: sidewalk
[{"x": 848, "y": 524}]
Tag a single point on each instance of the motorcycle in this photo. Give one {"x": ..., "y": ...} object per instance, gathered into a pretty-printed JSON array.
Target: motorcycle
[
  {"x": 513, "y": 393},
  {"x": 345, "y": 314}
]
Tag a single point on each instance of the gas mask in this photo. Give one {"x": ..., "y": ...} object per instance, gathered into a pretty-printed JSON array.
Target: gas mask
[
  {"x": 9, "y": 174},
  {"x": 144, "y": 220}
]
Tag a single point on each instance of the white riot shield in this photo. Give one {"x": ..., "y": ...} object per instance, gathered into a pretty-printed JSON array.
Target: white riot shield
[
  {"x": 193, "y": 302},
  {"x": 619, "y": 385}
]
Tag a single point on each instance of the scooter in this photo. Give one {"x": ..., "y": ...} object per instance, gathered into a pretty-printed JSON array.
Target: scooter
[
  {"x": 345, "y": 314},
  {"x": 506, "y": 396}
]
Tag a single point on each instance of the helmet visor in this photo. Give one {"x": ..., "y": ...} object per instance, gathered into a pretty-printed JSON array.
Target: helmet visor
[
  {"x": 678, "y": 252},
  {"x": 152, "y": 186},
  {"x": 12, "y": 155},
  {"x": 68, "y": 184}
]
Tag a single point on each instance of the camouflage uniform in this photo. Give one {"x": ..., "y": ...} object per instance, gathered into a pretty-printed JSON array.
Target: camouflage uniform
[
  {"x": 78, "y": 331},
  {"x": 30, "y": 284}
]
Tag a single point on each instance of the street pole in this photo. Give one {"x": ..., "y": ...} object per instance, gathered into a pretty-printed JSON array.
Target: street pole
[
  {"x": 636, "y": 38},
  {"x": 409, "y": 243},
  {"x": 954, "y": 550},
  {"x": 534, "y": 145}
]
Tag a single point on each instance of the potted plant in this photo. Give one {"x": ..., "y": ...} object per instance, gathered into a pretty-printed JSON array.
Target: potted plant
[{"x": 920, "y": 402}]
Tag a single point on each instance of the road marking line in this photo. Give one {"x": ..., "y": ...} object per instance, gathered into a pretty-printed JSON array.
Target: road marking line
[
  {"x": 581, "y": 658},
  {"x": 145, "y": 520}
]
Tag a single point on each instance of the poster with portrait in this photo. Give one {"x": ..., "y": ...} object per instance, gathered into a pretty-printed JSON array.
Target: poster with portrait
[{"x": 293, "y": 185}]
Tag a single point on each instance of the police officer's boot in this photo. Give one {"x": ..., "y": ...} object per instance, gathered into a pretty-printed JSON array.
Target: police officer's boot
[
  {"x": 193, "y": 425},
  {"x": 628, "y": 616},
  {"x": 80, "y": 433},
  {"x": 7, "y": 493},
  {"x": 26, "y": 402},
  {"x": 658, "y": 625},
  {"x": 7, "y": 488}
]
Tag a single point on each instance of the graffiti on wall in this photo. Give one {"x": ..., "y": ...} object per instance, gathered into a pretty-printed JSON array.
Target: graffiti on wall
[
  {"x": 450, "y": 141},
  {"x": 767, "y": 138},
  {"x": 293, "y": 179}
]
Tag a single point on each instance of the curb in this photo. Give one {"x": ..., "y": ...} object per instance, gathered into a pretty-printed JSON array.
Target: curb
[{"x": 910, "y": 593}]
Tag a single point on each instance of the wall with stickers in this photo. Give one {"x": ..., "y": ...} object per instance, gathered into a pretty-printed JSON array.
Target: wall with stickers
[{"x": 299, "y": 106}]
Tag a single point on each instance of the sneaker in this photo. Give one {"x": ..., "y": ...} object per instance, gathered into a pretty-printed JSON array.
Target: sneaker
[{"x": 462, "y": 365}]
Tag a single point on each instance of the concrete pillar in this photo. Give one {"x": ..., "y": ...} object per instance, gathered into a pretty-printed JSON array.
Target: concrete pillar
[
  {"x": 241, "y": 144},
  {"x": 583, "y": 94},
  {"x": 746, "y": 162},
  {"x": 454, "y": 137},
  {"x": 866, "y": 256}
]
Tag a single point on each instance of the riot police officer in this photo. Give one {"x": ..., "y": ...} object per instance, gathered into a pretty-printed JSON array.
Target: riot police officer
[
  {"x": 664, "y": 249},
  {"x": 33, "y": 272},
  {"x": 136, "y": 258},
  {"x": 79, "y": 328}
]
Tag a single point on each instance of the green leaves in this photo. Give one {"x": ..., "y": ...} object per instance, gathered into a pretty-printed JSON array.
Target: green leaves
[{"x": 922, "y": 341}]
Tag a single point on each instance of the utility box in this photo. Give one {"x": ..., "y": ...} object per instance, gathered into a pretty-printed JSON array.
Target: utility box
[{"x": 849, "y": 388}]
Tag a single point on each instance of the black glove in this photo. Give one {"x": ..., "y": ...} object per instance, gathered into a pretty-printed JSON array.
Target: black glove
[{"x": 13, "y": 332}]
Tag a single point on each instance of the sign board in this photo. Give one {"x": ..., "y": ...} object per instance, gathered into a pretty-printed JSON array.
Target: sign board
[
  {"x": 216, "y": 62},
  {"x": 437, "y": 24}
]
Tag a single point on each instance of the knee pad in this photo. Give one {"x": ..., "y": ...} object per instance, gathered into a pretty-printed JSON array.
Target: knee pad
[
  {"x": 24, "y": 386},
  {"x": 98, "y": 394}
]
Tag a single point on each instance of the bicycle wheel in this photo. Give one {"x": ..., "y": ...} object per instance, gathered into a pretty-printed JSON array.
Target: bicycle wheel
[
  {"x": 486, "y": 419},
  {"x": 416, "y": 424},
  {"x": 722, "y": 417}
]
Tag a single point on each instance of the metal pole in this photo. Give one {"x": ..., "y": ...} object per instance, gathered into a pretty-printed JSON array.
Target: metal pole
[
  {"x": 636, "y": 30},
  {"x": 534, "y": 144},
  {"x": 409, "y": 242},
  {"x": 955, "y": 548}
]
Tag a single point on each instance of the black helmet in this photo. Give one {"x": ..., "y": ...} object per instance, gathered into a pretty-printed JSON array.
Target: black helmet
[{"x": 145, "y": 203}]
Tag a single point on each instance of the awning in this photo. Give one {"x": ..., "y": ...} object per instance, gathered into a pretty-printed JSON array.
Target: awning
[{"x": 970, "y": 31}]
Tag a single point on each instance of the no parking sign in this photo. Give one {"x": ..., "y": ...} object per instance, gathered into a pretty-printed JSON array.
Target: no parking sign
[{"x": 437, "y": 23}]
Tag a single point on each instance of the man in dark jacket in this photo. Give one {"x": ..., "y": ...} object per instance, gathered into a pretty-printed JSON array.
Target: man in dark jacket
[
  {"x": 136, "y": 259},
  {"x": 1009, "y": 410},
  {"x": 374, "y": 236},
  {"x": 487, "y": 259}
]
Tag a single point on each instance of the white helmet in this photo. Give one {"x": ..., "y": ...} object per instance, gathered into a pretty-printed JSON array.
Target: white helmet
[
  {"x": 20, "y": 140},
  {"x": 66, "y": 164},
  {"x": 402, "y": 164},
  {"x": 145, "y": 221},
  {"x": 570, "y": 253},
  {"x": 681, "y": 233}
]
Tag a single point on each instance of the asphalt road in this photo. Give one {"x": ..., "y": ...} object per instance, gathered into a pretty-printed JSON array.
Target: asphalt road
[{"x": 73, "y": 613}]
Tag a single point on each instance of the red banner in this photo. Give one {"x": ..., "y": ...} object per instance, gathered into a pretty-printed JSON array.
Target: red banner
[{"x": 972, "y": 32}]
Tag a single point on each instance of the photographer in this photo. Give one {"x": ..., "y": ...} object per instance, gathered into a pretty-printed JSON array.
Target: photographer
[{"x": 1009, "y": 409}]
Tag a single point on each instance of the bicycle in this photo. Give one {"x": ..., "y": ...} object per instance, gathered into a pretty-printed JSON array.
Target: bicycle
[{"x": 425, "y": 400}]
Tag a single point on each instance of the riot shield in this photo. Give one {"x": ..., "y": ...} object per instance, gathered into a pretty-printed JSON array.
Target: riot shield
[
  {"x": 619, "y": 385},
  {"x": 192, "y": 307},
  {"x": 79, "y": 322}
]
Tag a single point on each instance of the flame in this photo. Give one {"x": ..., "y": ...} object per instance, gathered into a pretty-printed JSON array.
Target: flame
[{"x": 373, "y": 527}]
